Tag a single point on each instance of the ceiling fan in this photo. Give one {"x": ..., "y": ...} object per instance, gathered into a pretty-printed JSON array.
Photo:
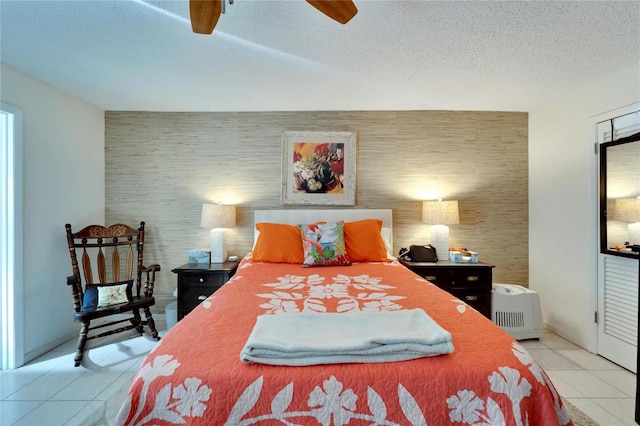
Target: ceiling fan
[{"x": 205, "y": 13}]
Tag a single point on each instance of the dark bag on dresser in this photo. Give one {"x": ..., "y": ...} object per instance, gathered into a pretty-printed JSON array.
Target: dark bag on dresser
[{"x": 425, "y": 253}]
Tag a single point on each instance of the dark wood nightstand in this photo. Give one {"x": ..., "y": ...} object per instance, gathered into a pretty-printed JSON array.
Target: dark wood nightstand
[
  {"x": 197, "y": 281},
  {"x": 470, "y": 282}
]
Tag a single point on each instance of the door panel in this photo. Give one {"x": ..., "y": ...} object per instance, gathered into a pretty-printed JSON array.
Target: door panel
[{"x": 618, "y": 310}]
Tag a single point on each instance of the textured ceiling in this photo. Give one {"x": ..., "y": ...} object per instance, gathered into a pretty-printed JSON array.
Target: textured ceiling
[{"x": 286, "y": 56}]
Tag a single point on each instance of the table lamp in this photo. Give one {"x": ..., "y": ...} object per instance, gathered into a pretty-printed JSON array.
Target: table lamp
[
  {"x": 218, "y": 217},
  {"x": 439, "y": 214},
  {"x": 628, "y": 210}
]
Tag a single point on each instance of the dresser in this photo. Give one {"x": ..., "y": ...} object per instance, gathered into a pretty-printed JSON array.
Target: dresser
[
  {"x": 470, "y": 282},
  {"x": 197, "y": 281}
]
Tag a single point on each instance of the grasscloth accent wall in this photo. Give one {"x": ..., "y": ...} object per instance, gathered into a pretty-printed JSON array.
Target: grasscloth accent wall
[{"x": 161, "y": 167}]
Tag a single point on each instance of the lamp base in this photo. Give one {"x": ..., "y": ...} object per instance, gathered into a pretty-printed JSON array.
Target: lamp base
[
  {"x": 218, "y": 245},
  {"x": 634, "y": 233},
  {"x": 440, "y": 240}
]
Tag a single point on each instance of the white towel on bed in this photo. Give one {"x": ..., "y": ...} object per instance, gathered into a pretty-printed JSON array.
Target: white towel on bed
[{"x": 357, "y": 337}]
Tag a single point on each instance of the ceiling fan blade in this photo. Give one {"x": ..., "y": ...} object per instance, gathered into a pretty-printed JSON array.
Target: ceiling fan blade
[
  {"x": 204, "y": 15},
  {"x": 338, "y": 10}
]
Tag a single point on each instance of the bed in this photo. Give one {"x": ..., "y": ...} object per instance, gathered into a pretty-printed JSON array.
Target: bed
[{"x": 195, "y": 374}]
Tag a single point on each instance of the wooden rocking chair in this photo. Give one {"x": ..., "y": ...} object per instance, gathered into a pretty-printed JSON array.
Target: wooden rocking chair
[{"x": 117, "y": 252}]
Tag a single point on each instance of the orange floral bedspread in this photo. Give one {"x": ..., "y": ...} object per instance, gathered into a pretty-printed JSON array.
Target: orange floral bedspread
[{"x": 194, "y": 375}]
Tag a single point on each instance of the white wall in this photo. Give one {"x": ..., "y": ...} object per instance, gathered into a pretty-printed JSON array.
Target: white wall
[
  {"x": 63, "y": 183},
  {"x": 563, "y": 203}
]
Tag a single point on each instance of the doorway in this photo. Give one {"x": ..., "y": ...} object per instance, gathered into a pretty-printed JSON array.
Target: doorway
[
  {"x": 11, "y": 261},
  {"x": 619, "y": 192}
]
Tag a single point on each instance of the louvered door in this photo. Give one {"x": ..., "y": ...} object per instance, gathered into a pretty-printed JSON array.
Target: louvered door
[{"x": 618, "y": 310}]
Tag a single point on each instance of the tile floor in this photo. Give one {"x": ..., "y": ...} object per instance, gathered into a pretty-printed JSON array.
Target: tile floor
[
  {"x": 599, "y": 388},
  {"x": 50, "y": 391}
]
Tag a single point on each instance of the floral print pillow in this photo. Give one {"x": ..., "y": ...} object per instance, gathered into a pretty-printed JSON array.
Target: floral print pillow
[
  {"x": 112, "y": 295},
  {"x": 323, "y": 244},
  {"x": 102, "y": 295}
]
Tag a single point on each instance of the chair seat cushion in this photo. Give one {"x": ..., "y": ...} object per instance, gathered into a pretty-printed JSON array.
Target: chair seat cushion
[{"x": 104, "y": 295}]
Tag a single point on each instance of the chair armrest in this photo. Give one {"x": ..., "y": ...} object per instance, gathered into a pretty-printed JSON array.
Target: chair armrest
[
  {"x": 151, "y": 268},
  {"x": 76, "y": 291},
  {"x": 150, "y": 279}
]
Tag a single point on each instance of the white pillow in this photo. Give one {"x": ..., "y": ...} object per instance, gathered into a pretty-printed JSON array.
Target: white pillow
[
  {"x": 388, "y": 241},
  {"x": 112, "y": 295}
]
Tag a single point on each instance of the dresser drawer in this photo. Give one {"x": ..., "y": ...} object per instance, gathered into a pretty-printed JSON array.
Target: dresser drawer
[
  {"x": 202, "y": 279},
  {"x": 194, "y": 288},
  {"x": 470, "y": 278},
  {"x": 196, "y": 282},
  {"x": 480, "y": 300},
  {"x": 193, "y": 295},
  {"x": 457, "y": 278},
  {"x": 469, "y": 283}
]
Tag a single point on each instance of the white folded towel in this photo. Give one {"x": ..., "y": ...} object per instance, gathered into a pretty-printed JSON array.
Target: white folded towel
[{"x": 299, "y": 339}]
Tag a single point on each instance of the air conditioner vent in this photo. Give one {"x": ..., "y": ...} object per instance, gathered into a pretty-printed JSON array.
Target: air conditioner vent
[{"x": 510, "y": 319}]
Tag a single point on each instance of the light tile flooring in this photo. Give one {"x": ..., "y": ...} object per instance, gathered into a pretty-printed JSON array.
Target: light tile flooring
[
  {"x": 50, "y": 391},
  {"x": 599, "y": 388}
]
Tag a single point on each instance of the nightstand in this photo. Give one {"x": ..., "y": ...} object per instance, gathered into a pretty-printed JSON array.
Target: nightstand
[
  {"x": 197, "y": 281},
  {"x": 470, "y": 282}
]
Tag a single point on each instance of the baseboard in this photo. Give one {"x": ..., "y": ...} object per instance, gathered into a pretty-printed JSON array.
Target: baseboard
[
  {"x": 566, "y": 334},
  {"x": 41, "y": 350}
]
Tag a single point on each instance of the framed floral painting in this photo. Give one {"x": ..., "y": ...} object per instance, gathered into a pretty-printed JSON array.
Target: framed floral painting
[{"x": 319, "y": 168}]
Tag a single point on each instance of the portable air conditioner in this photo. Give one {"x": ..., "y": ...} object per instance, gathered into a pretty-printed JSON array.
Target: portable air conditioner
[{"x": 516, "y": 310}]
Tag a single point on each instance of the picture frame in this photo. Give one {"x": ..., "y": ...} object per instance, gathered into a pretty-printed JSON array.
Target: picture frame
[{"x": 319, "y": 168}]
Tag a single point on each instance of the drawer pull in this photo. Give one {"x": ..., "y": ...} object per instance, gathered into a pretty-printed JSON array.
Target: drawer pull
[
  {"x": 471, "y": 298},
  {"x": 430, "y": 278},
  {"x": 473, "y": 278},
  {"x": 201, "y": 279},
  {"x": 202, "y": 297}
]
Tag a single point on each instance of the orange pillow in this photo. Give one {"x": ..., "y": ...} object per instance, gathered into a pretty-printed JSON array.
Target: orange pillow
[
  {"x": 278, "y": 243},
  {"x": 364, "y": 242}
]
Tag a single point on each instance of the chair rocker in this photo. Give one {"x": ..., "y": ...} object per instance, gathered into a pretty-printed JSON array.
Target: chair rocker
[{"x": 118, "y": 265}]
